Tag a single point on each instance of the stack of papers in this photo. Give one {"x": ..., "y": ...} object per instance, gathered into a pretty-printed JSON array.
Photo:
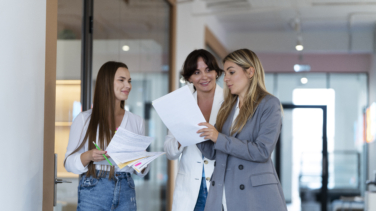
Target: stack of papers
[
  {"x": 180, "y": 113},
  {"x": 129, "y": 149}
]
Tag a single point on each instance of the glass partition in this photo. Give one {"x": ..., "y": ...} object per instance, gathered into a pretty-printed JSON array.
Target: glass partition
[
  {"x": 136, "y": 32},
  {"x": 345, "y": 152},
  {"x": 68, "y": 94}
]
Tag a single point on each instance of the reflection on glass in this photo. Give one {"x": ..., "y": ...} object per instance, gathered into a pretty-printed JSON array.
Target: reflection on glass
[
  {"x": 346, "y": 97},
  {"x": 68, "y": 94},
  {"x": 136, "y": 33}
]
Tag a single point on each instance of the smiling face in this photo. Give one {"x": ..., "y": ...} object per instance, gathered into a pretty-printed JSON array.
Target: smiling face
[
  {"x": 236, "y": 79},
  {"x": 122, "y": 83},
  {"x": 203, "y": 78}
]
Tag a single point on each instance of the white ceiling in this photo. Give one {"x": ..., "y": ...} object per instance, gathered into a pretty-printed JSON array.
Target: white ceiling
[{"x": 276, "y": 15}]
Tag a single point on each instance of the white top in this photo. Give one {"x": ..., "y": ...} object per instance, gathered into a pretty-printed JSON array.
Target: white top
[
  {"x": 233, "y": 121},
  {"x": 77, "y": 133},
  {"x": 191, "y": 163}
]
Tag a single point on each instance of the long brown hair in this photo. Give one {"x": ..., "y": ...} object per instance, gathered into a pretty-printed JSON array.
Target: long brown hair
[
  {"x": 256, "y": 90},
  {"x": 102, "y": 118}
]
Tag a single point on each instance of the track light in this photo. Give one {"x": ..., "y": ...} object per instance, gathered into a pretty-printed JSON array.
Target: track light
[{"x": 299, "y": 44}]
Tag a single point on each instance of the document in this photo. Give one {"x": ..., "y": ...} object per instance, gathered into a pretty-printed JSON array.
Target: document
[
  {"x": 127, "y": 141},
  {"x": 129, "y": 149},
  {"x": 180, "y": 113}
]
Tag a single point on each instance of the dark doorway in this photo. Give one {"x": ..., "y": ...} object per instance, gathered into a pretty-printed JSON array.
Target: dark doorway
[{"x": 317, "y": 192}]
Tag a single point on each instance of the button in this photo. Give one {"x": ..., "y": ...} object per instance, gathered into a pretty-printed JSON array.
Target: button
[
  {"x": 206, "y": 162},
  {"x": 207, "y": 178},
  {"x": 215, "y": 163},
  {"x": 241, "y": 187},
  {"x": 241, "y": 167},
  {"x": 213, "y": 183}
]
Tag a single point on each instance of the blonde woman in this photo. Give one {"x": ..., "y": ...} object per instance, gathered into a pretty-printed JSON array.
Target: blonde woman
[{"x": 247, "y": 129}]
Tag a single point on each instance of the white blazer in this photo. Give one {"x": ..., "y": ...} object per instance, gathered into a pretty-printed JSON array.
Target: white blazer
[{"x": 188, "y": 180}]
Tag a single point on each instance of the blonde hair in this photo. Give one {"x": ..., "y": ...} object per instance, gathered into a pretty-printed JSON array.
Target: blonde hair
[{"x": 256, "y": 90}]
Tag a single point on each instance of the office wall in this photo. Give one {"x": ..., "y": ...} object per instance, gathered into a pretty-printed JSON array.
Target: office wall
[
  {"x": 22, "y": 82},
  {"x": 321, "y": 41},
  {"x": 190, "y": 31}
]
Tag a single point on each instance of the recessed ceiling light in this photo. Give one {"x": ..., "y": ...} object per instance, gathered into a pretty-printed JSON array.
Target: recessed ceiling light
[{"x": 125, "y": 48}]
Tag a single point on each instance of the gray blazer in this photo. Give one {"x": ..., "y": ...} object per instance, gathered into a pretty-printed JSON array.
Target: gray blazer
[{"x": 243, "y": 163}]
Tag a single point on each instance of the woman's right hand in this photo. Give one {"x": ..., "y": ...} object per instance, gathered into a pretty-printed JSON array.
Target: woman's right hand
[
  {"x": 97, "y": 155},
  {"x": 93, "y": 155}
]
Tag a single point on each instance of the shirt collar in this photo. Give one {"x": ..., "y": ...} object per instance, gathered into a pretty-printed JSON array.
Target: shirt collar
[{"x": 237, "y": 103}]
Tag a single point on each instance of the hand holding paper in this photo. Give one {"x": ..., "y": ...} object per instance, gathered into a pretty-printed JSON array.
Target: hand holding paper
[
  {"x": 180, "y": 113},
  {"x": 126, "y": 148}
]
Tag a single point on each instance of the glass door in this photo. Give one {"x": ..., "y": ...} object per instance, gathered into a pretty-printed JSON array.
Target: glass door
[
  {"x": 136, "y": 32},
  {"x": 68, "y": 95},
  {"x": 303, "y": 157}
]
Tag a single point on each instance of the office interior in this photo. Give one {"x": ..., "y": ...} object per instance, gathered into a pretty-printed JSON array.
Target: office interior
[{"x": 319, "y": 58}]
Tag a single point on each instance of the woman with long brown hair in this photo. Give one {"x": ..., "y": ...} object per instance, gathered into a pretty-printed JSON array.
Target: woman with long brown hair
[
  {"x": 247, "y": 129},
  {"x": 101, "y": 186}
]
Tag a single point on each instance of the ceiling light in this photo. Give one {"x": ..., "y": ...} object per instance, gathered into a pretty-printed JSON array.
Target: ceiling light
[
  {"x": 304, "y": 80},
  {"x": 302, "y": 67},
  {"x": 125, "y": 48},
  {"x": 299, "y": 47}
]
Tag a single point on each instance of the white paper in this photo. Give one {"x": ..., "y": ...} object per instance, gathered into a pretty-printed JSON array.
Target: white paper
[
  {"x": 129, "y": 156},
  {"x": 143, "y": 163},
  {"x": 126, "y": 146},
  {"x": 180, "y": 113},
  {"x": 126, "y": 141}
]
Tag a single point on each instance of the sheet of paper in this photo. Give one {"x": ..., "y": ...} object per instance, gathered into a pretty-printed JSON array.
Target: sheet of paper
[
  {"x": 127, "y": 141},
  {"x": 122, "y": 165},
  {"x": 141, "y": 164},
  {"x": 122, "y": 157},
  {"x": 180, "y": 113}
]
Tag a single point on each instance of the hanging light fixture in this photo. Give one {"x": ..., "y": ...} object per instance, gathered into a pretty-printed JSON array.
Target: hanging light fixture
[
  {"x": 297, "y": 28},
  {"x": 299, "y": 44}
]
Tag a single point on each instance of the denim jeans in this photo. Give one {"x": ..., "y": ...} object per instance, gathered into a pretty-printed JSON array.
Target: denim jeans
[
  {"x": 97, "y": 194},
  {"x": 201, "y": 200}
]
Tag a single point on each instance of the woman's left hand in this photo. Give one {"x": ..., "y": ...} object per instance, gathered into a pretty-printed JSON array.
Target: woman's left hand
[{"x": 208, "y": 133}]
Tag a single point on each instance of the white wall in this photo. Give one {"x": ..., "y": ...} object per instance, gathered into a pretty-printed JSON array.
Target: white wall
[
  {"x": 22, "y": 62},
  {"x": 190, "y": 31}
]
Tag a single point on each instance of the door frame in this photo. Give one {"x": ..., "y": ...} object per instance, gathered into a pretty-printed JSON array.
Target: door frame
[
  {"x": 49, "y": 106},
  {"x": 325, "y": 173}
]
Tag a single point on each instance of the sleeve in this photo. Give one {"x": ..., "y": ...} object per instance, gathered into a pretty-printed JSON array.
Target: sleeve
[
  {"x": 147, "y": 169},
  {"x": 171, "y": 147},
  {"x": 207, "y": 149},
  {"x": 77, "y": 133},
  {"x": 261, "y": 149}
]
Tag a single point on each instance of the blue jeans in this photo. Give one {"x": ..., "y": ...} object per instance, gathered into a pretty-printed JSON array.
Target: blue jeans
[
  {"x": 103, "y": 194},
  {"x": 201, "y": 200}
]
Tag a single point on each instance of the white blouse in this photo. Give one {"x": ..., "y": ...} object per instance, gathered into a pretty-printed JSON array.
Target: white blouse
[
  {"x": 130, "y": 122},
  {"x": 233, "y": 121}
]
